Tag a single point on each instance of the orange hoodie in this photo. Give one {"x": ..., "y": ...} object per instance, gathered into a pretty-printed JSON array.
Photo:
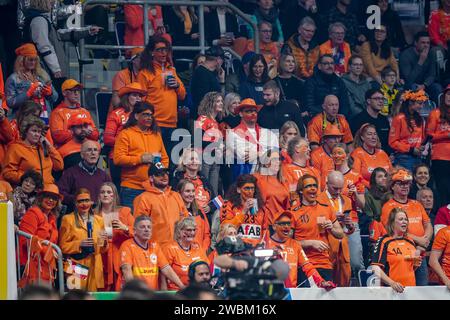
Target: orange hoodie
[
  {"x": 6, "y": 136},
  {"x": 16, "y": 133},
  {"x": 439, "y": 131},
  {"x": 401, "y": 139},
  {"x": 165, "y": 208},
  {"x": 164, "y": 99},
  {"x": 21, "y": 156},
  {"x": 59, "y": 119},
  {"x": 131, "y": 144}
]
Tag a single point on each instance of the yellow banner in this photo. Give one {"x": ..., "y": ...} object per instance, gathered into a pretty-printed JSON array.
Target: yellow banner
[{"x": 8, "y": 280}]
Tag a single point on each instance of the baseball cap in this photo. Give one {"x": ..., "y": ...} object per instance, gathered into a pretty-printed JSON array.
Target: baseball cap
[
  {"x": 70, "y": 84},
  {"x": 215, "y": 51},
  {"x": 157, "y": 169}
]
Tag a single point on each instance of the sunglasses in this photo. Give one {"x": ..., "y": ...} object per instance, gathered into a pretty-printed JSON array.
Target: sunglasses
[
  {"x": 284, "y": 224},
  {"x": 250, "y": 111}
]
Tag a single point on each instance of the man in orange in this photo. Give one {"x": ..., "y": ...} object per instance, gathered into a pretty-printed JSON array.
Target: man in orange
[
  {"x": 158, "y": 201},
  {"x": 70, "y": 151},
  {"x": 292, "y": 253},
  {"x": 420, "y": 229},
  {"x": 346, "y": 253},
  {"x": 143, "y": 259},
  {"x": 315, "y": 224},
  {"x": 164, "y": 87},
  {"x": 329, "y": 116},
  {"x": 321, "y": 157},
  {"x": 440, "y": 256},
  {"x": 268, "y": 48},
  {"x": 70, "y": 106}
]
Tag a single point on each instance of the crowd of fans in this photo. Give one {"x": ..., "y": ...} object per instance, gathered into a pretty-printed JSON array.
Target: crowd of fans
[{"x": 332, "y": 146}]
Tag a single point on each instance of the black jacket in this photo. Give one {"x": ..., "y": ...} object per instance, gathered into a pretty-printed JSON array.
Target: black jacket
[
  {"x": 212, "y": 29},
  {"x": 273, "y": 117},
  {"x": 319, "y": 86},
  {"x": 202, "y": 82}
]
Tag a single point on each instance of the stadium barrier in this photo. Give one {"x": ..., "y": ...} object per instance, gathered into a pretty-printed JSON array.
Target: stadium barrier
[
  {"x": 60, "y": 270},
  {"x": 8, "y": 276}
]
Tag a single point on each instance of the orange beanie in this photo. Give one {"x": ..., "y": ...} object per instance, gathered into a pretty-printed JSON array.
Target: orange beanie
[{"x": 27, "y": 50}]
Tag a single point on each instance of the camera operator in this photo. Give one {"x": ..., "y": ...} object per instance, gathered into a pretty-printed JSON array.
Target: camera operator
[
  {"x": 199, "y": 273},
  {"x": 292, "y": 253}
]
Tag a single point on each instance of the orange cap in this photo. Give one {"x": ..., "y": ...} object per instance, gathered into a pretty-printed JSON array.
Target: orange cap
[
  {"x": 27, "y": 50},
  {"x": 247, "y": 103},
  {"x": 78, "y": 120},
  {"x": 284, "y": 214},
  {"x": 332, "y": 130},
  {"x": 401, "y": 175},
  {"x": 132, "y": 87},
  {"x": 53, "y": 189},
  {"x": 70, "y": 84}
]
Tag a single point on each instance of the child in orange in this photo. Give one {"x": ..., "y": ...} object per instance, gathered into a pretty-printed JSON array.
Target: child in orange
[{"x": 407, "y": 132}]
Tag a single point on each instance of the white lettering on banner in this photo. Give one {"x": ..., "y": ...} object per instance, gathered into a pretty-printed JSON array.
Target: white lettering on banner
[
  {"x": 250, "y": 231},
  {"x": 374, "y": 20},
  {"x": 380, "y": 293}
]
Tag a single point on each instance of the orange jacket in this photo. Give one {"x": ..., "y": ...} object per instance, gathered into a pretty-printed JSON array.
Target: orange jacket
[
  {"x": 21, "y": 156},
  {"x": 70, "y": 237},
  {"x": 203, "y": 232},
  {"x": 439, "y": 132},
  {"x": 111, "y": 258},
  {"x": 6, "y": 136},
  {"x": 327, "y": 48},
  {"x": 401, "y": 138},
  {"x": 114, "y": 124},
  {"x": 305, "y": 60},
  {"x": 275, "y": 196},
  {"x": 268, "y": 50},
  {"x": 16, "y": 132},
  {"x": 70, "y": 147},
  {"x": 322, "y": 161},
  {"x": 122, "y": 78},
  {"x": 131, "y": 144},
  {"x": 59, "y": 119},
  {"x": 164, "y": 99},
  {"x": 317, "y": 125},
  {"x": 373, "y": 63},
  {"x": 165, "y": 208},
  {"x": 38, "y": 224}
]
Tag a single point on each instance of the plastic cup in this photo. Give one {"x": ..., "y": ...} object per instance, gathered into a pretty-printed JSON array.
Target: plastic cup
[{"x": 156, "y": 157}]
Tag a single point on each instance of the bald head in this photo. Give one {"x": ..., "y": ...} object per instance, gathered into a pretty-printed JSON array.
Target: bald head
[
  {"x": 331, "y": 105},
  {"x": 335, "y": 183},
  {"x": 90, "y": 152}
]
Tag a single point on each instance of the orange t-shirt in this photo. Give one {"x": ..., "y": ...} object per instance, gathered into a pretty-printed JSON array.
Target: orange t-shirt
[
  {"x": 439, "y": 131},
  {"x": 275, "y": 196},
  {"x": 306, "y": 228},
  {"x": 249, "y": 227},
  {"x": 414, "y": 210},
  {"x": 365, "y": 163},
  {"x": 394, "y": 256},
  {"x": 145, "y": 262},
  {"x": 180, "y": 260},
  {"x": 317, "y": 125},
  {"x": 5, "y": 187},
  {"x": 323, "y": 162},
  {"x": 442, "y": 243},
  {"x": 292, "y": 254},
  {"x": 292, "y": 172},
  {"x": 202, "y": 195},
  {"x": 401, "y": 138}
]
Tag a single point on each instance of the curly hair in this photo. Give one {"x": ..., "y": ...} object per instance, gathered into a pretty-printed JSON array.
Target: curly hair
[
  {"x": 35, "y": 176},
  {"x": 235, "y": 198},
  {"x": 28, "y": 122},
  {"x": 411, "y": 117},
  {"x": 208, "y": 104},
  {"x": 36, "y": 74},
  {"x": 26, "y": 109}
]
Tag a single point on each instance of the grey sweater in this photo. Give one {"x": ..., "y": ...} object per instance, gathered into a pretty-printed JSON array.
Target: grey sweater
[
  {"x": 356, "y": 93},
  {"x": 413, "y": 73}
]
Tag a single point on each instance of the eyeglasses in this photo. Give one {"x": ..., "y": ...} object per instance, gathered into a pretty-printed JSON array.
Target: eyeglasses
[
  {"x": 284, "y": 224},
  {"x": 377, "y": 98},
  {"x": 327, "y": 63},
  {"x": 162, "y": 49},
  {"x": 250, "y": 111},
  {"x": 312, "y": 185}
]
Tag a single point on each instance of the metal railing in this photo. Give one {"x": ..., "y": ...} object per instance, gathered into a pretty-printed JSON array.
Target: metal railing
[
  {"x": 146, "y": 3},
  {"x": 45, "y": 242}
]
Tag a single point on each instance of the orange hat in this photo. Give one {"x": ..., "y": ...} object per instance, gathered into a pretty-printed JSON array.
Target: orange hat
[
  {"x": 135, "y": 52},
  {"x": 53, "y": 189},
  {"x": 70, "y": 84},
  {"x": 247, "y": 103},
  {"x": 284, "y": 214},
  {"x": 27, "y": 50},
  {"x": 418, "y": 95},
  {"x": 332, "y": 130},
  {"x": 78, "y": 120},
  {"x": 401, "y": 175},
  {"x": 132, "y": 87}
]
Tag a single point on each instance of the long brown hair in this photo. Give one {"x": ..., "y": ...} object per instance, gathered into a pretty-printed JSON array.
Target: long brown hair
[
  {"x": 443, "y": 108},
  {"x": 391, "y": 220},
  {"x": 194, "y": 206}
]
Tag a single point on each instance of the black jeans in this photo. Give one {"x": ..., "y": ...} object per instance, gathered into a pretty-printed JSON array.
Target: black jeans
[
  {"x": 441, "y": 173},
  {"x": 327, "y": 275}
]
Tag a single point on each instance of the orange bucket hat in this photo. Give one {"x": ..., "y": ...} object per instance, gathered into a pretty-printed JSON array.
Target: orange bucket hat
[
  {"x": 247, "y": 103},
  {"x": 132, "y": 87},
  {"x": 52, "y": 189}
]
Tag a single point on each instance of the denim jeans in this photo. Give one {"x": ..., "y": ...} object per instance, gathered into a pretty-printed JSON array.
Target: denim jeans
[
  {"x": 407, "y": 161},
  {"x": 422, "y": 274},
  {"x": 356, "y": 250},
  {"x": 211, "y": 172},
  {"x": 127, "y": 196}
]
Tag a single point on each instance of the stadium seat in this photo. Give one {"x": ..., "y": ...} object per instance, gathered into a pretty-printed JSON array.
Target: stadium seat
[{"x": 102, "y": 101}]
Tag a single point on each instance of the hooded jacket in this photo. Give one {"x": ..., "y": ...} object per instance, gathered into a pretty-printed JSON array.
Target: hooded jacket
[
  {"x": 131, "y": 144},
  {"x": 356, "y": 93},
  {"x": 164, "y": 207},
  {"x": 21, "y": 157},
  {"x": 306, "y": 60}
]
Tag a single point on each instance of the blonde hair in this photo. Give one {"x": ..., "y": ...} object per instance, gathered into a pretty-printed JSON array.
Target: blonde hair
[
  {"x": 186, "y": 157},
  {"x": 391, "y": 220},
  {"x": 182, "y": 224},
  {"x": 223, "y": 230},
  {"x": 116, "y": 202},
  {"x": 285, "y": 127},
  {"x": 228, "y": 101},
  {"x": 207, "y": 105},
  {"x": 19, "y": 69}
]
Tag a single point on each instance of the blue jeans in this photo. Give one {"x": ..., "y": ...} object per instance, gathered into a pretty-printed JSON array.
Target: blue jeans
[
  {"x": 127, "y": 196},
  {"x": 422, "y": 274},
  {"x": 356, "y": 250},
  {"x": 407, "y": 161}
]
